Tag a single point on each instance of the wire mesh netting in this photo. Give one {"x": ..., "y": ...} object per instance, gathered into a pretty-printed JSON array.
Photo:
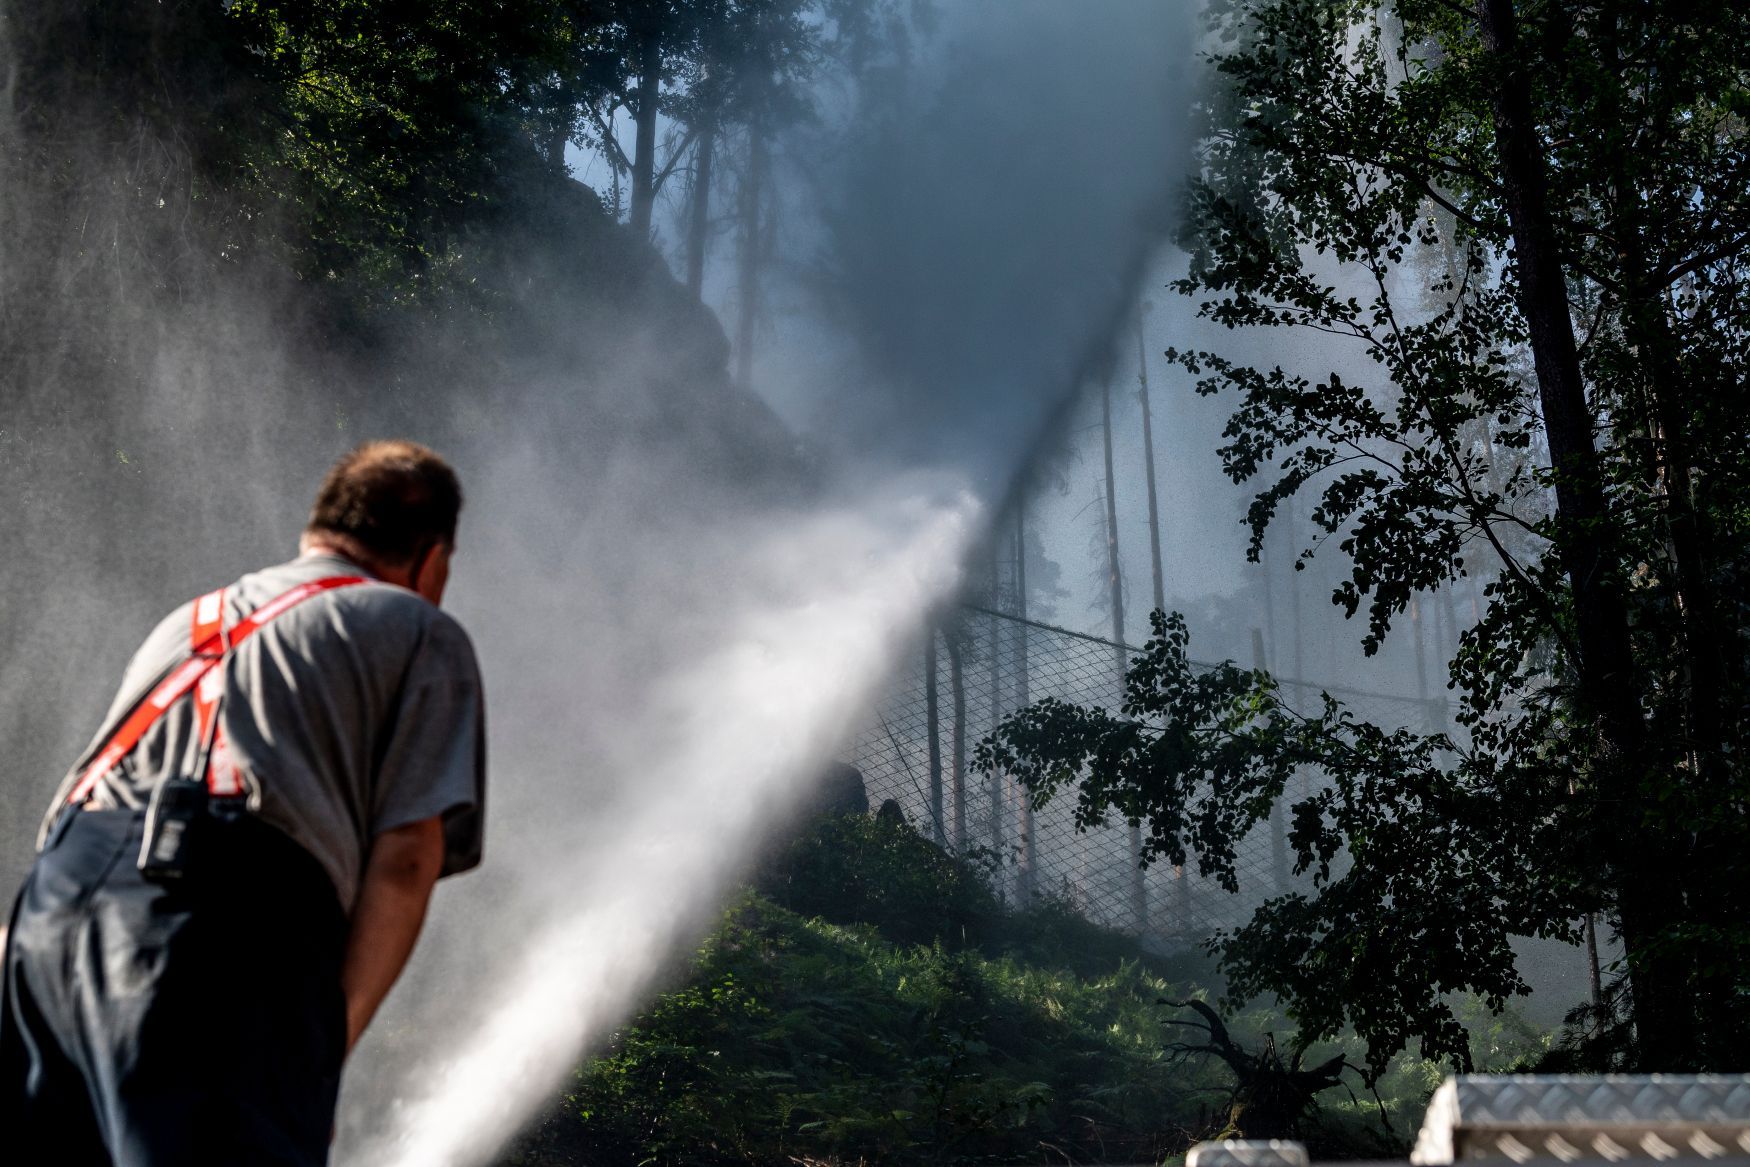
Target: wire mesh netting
[{"x": 957, "y": 689}]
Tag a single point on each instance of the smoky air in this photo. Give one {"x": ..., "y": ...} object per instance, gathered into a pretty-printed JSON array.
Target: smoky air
[
  {"x": 844, "y": 374},
  {"x": 684, "y": 587}
]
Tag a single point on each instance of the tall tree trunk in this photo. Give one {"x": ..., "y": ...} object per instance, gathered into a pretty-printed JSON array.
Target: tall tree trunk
[
  {"x": 1453, "y": 631},
  {"x": 1644, "y": 891},
  {"x": 1115, "y": 577},
  {"x": 1419, "y": 632},
  {"x": 1025, "y": 885},
  {"x": 1267, "y": 576},
  {"x": 957, "y": 776},
  {"x": 933, "y": 729},
  {"x": 1297, "y": 635},
  {"x": 752, "y": 253},
  {"x": 699, "y": 216},
  {"x": 1647, "y": 326},
  {"x": 1278, "y": 811},
  {"x": 1148, "y": 460},
  {"x": 1296, "y": 609},
  {"x": 994, "y": 787},
  {"x": 644, "y": 143},
  {"x": 552, "y": 144},
  {"x": 1114, "y": 571},
  {"x": 1646, "y": 323}
]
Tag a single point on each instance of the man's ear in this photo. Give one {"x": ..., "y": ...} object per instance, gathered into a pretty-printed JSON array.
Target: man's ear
[{"x": 421, "y": 560}]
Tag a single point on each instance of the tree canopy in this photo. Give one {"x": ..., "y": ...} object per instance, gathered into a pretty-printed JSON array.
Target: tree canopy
[{"x": 1530, "y": 220}]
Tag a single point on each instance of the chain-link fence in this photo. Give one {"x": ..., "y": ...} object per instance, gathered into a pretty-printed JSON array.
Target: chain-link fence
[{"x": 917, "y": 751}]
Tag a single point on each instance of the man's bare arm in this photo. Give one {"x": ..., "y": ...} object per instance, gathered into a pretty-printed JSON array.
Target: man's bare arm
[{"x": 399, "y": 873}]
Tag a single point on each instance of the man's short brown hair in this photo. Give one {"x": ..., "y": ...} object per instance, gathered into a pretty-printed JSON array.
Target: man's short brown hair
[{"x": 392, "y": 498}]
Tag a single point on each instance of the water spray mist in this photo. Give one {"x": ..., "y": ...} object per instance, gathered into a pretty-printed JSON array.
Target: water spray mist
[{"x": 731, "y": 742}]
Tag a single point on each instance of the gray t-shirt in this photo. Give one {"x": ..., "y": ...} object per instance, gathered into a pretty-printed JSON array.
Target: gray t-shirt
[{"x": 354, "y": 712}]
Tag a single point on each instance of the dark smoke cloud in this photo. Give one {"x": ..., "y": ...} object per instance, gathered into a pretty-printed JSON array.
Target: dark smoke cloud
[{"x": 985, "y": 238}]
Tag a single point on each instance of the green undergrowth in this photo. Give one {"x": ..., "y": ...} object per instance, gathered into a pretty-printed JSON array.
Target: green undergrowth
[{"x": 868, "y": 1000}]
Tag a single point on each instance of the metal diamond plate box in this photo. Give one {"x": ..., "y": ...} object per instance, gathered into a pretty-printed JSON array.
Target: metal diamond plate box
[
  {"x": 1247, "y": 1153},
  {"x": 1608, "y": 1117}
]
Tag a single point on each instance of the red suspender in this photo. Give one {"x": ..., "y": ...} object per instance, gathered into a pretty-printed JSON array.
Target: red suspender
[
  {"x": 209, "y": 620},
  {"x": 209, "y": 644},
  {"x": 209, "y": 630}
]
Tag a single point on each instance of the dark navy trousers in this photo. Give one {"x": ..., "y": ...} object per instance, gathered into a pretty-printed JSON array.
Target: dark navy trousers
[{"x": 145, "y": 1025}]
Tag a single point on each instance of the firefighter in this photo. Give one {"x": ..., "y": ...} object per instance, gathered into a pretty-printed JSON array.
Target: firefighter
[{"x": 235, "y": 872}]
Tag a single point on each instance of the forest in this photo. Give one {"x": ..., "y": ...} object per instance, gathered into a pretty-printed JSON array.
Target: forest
[{"x": 728, "y": 306}]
